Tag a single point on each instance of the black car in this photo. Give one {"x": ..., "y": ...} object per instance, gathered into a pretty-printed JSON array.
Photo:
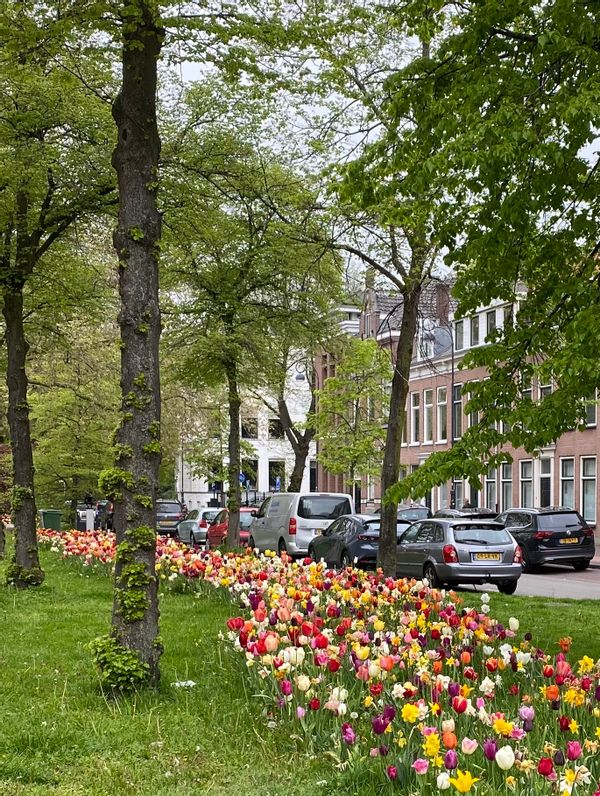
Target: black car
[
  {"x": 168, "y": 516},
  {"x": 411, "y": 512},
  {"x": 351, "y": 540},
  {"x": 553, "y": 535}
]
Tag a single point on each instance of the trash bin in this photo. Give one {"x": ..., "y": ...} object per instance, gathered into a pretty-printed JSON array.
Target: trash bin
[{"x": 50, "y": 518}]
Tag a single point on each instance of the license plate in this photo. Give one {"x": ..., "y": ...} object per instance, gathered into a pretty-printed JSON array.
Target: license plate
[
  {"x": 569, "y": 540},
  {"x": 318, "y": 531},
  {"x": 165, "y": 522},
  {"x": 486, "y": 556}
]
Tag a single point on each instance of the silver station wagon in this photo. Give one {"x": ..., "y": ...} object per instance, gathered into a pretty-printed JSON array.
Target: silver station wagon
[{"x": 453, "y": 551}]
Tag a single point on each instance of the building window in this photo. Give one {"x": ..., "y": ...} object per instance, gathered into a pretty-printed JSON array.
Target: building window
[
  {"x": 506, "y": 485},
  {"x": 588, "y": 488},
  {"x": 276, "y": 475},
  {"x": 250, "y": 473},
  {"x": 526, "y": 483},
  {"x": 490, "y": 489},
  {"x": 475, "y": 330},
  {"x": 457, "y": 411},
  {"x": 415, "y": 416},
  {"x": 545, "y": 482},
  {"x": 457, "y": 494},
  {"x": 567, "y": 483},
  {"x": 473, "y": 416},
  {"x": 459, "y": 335},
  {"x": 545, "y": 391},
  {"x": 249, "y": 428},
  {"x": 507, "y": 314},
  {"x": 490, "y": 322},
  {"x": 590, "y": 411},
  {"x": 442, "y": 414},
  {"x": 443, "y": 496},
  {"x": 428, "y": 416},
  {"x": 275, "y": 428},
  {"x": 426, "y": 348}
]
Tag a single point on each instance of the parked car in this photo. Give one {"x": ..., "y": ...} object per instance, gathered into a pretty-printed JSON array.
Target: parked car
[
  {"x": 217, "y": 530},
  {"x": 168, "y": 517},
  {"x": 411, "y": 511},
  {"x": 451, "y": 551},
  {"x": 553, "y": 535},
  {"x": 288, "y": 521},
  {"x": 194, "y": 528},
  {"x": 471, "y": 513},
  {"x": 351, "y": 540}
]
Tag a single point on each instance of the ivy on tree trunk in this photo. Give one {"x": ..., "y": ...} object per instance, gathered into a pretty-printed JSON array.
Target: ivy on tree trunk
[
  {"x": 133, "y": 482},
  {"x": 235, "y": 494}
]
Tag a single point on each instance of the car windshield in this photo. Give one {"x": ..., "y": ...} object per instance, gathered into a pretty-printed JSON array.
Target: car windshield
[
  {"x": 560, "y": 522},
  {"x": 245, "y": 519},
  {"x": 323, "y": 507},
  {"x": 209, "y": 515},
  {"x": 413, "y": 514},
  {"x": 480, "y": 534},
  {"x": 168, "y": 508}
]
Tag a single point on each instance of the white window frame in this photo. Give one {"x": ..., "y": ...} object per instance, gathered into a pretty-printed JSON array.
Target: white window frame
[
  {"x": 488, "y": 315},
  {"x": 503, "y": 482},
  {"x": 523, "y": 481},
  {"x": 459, "y": 335},
  {"x": 415, "y": 418},
  {"x": 428, "y": 415},
  {"x": 442, "y": 412},
  {"x": 594, "y": 407},
  {"x": 456, "y": 428},
  {"x": 475, "y": 325},
  {"x": 565, "y": 479},
  {"x": 584, "y": 479},
  {"x": 473, "y": 417},
  {"x": 549, "y": 476},
  {"x": 491, "y": 484}
]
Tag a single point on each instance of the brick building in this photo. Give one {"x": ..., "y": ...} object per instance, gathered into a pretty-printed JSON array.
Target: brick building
[{"x": 561, "y": 474}]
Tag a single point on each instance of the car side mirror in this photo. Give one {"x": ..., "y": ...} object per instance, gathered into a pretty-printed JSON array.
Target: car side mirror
[{"x": 254, "y": 513}]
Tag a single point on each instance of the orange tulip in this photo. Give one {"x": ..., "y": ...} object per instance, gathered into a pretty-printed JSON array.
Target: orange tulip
[
  {"x": 552, "y": 692},
  {"x": 386, "y": 662},
  {"x": 449, "y": 740},
  {"x": 465, "y": 657}
]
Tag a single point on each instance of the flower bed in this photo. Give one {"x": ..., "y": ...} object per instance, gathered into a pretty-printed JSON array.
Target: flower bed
[{"x": 394, "y": 679}]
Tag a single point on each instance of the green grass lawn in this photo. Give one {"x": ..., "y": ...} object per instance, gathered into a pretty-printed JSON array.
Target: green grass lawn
[{"x": 61, "y": 737}]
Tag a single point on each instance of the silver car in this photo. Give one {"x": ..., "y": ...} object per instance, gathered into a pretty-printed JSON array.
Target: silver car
[
  {"x": 452, "y": 551},
  {"x": 193, "y": 530}
]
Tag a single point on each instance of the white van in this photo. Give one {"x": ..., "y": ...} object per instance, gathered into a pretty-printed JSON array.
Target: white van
[{"x": 289, "y": 520}]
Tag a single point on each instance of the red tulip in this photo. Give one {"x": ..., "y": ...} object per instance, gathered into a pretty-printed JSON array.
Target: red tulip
[{"x": 545, "y": 766}]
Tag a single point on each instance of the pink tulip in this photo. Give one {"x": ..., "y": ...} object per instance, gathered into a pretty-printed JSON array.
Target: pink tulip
[{"x": 421, "y": 765}]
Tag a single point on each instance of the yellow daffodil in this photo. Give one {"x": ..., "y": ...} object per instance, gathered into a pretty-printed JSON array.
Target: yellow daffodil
[
  {"x": 575, "y": 697},
  {"x": 431, "y": 744},
  {"x": 410, "y": 712},
  {"x": 573, "y": 726},
  {"x": 586, "y": 664},
  {"x": 503, "y": 727}
]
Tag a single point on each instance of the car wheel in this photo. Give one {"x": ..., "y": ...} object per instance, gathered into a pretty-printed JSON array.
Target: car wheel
[
  {"x": 281, "y": 548},
  {"x": 431, "y": 575},
  {"x": 526, "y": 564},
  {"x": 507, "y": 586},
  {"x": 345, "y": 560},
  {"x": 311, "y": 553},
  {"x": 251, "y": 542},
  {"x": 579, "y": 566}
]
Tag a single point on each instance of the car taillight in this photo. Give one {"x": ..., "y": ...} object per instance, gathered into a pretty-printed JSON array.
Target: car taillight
[
  {"x": 450, "y": 554},
  {"x": 292, "y": 526},
  {"x": 203, "y": 524},
  {"x": 542, "y": 535},
  {"x": 588, "y": 532},
  {"x": 364, "y": 537},
  {"x": 518, "y": 556},
  {"x": 179, "y": 517}
]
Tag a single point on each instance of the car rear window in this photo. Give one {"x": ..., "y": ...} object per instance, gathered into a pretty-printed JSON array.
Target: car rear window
[
  {"x": 323, "y": 507},
  {"x": 413, "y": 514},
  {"x": 168, "y": 508},
  {"x": 480, "y": 534},
  {"x": 375, "y": 525},
  {"x": 560, "y": 522},
  {"x": 209, "y": 515}
]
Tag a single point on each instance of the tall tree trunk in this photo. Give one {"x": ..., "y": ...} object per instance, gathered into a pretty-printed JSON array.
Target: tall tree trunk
[
  {"x": 136, "y": 239},
  {"x": 235, "y": 494},
  {"x": 391, "y": 460},
  {"x": 25, "y": 570}
]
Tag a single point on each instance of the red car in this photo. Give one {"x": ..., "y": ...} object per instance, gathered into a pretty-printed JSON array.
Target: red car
[{"x": 217, "y": 530}]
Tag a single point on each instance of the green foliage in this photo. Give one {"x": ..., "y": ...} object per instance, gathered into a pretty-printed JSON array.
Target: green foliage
[
  {"x": 19, "y": 495},
  {"x": 119, "y": 668},
  {"x": 352, "y": 409},
  {"x": 21, "y": 577},
  {"x": 131, "y": 591},
  {"x": 112, "y": 480}
]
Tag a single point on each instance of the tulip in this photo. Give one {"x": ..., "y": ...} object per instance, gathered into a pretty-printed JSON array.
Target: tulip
[
  {"x": 286, "y": 687},
  {"x": 468, "y": 746},
  {"x": 505, "y": 757},
  {"x": 545, "y": 767},
  {"x": 563, "y": 723},
  {"x": 379, "y": 724},
  {"x": 559, "y": 757},
  {"x": 348, "y": 734},
  {"x": 443, "y": 780},
  {"x": 574, "y": 750},
  {"x": 420, "y": 765},
  {"x": 490, "y": 748},
  {"x": 451, "y": 760},
  {"x": 392, "y": 772},
  {"x": 513, "y": 624},
  {"x": 526, "y": 712}
]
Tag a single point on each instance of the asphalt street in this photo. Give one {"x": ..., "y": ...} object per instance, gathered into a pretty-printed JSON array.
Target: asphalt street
[{"x": 556, "y": 581}]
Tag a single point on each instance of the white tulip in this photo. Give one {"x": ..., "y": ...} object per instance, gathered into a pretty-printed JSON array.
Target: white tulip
[{"x": 505, "y": 757}]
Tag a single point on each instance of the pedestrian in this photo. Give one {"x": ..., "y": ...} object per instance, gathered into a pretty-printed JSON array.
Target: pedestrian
[{"x": 467, "y": 504}]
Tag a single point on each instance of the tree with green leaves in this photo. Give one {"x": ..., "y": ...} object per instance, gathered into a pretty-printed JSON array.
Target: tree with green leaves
[
  {"x": 510, "y": 94},
  {"x": 352, "y": 410},
  {"x": 55, "y": 171}
]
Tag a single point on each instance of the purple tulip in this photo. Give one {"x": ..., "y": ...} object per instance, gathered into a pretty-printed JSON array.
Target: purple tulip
[
  {"x": 528, "y": 725},
  {"x": 559, "y": 757},
  {"x": 389, "y": 713},
  {"x": 379, "y": 724},
  {"x": 453, "y": 689},
  {"x": 451, "y": 760},
  {"x": 384, "y": 750},
  {"x": 286, "y": 687},
  {"x": 490, "y": 748},
  {"x": 597, "y": 693},
  {"x": 348, "y": 734}
]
